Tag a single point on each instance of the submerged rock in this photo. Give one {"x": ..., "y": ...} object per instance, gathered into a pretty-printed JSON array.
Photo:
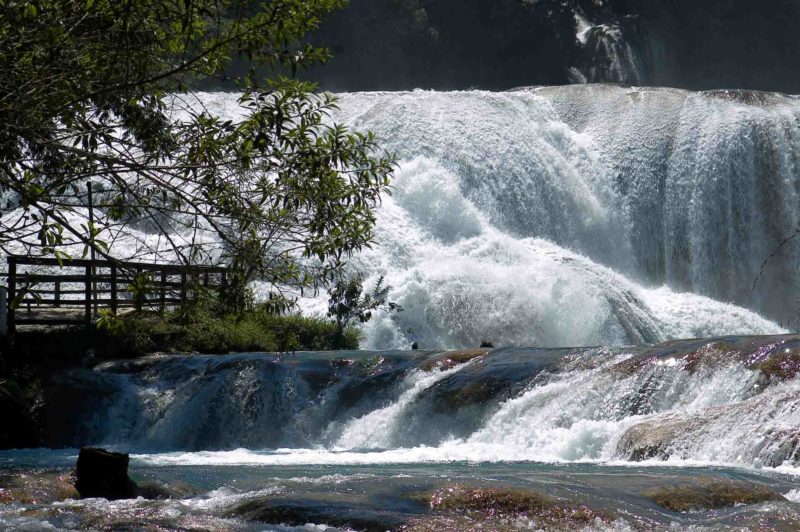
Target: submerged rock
[
  {"x": 100, "y": 473},
  {"x": 461, "y": 507},
  {"x": 651, "y": 439},
  {"x": 335, "y": 512},
  {"x": 683, "y": 437},
  {"x": 155, "y": 490},
  {"x": 709, "y": 494},
  {"x": 451, "y": 359},
  {"x": 36, "y": 488},
  {"x": 489, "y": 500},
  {"x": 782, "y": 366}
]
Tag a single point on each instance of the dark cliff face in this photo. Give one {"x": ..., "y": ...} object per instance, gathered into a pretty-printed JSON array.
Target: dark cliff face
[
  {"x": 704, "y": 44},
  {"x": 498, "y": 44},
  {"x": 399, "y": 44}
]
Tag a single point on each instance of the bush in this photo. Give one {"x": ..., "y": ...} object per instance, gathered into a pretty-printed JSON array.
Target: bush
[{"x": 143, "y": 332}]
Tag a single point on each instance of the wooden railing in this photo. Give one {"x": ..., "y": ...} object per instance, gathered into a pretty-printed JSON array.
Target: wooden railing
[{"x": 86, "y": 286}]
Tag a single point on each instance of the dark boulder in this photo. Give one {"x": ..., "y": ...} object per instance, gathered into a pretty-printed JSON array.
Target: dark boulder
[
  {"x": 101, "y": 473},
  {"x": 16, "y": 430}
]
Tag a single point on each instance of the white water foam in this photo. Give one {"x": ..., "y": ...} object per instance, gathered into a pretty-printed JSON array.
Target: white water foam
[
  {"x": 662, "y": 186},
  {"x": 460, "y": 280},
  {"x": 714, "y": 414},
  {"x": 377, "y": 429},
  {"x": 557, "y": 216}
]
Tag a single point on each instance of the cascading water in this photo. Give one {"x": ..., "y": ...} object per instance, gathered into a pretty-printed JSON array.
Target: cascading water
[
  {"x": 729, "y": 401},
  {"x": 580, "y": 215},
  {"x": 358, "y": 438},
  {"x": 583, "y": 215},
  {"x": 610, "y": 57}
]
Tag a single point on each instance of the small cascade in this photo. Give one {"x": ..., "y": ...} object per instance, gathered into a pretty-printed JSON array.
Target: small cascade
[
  {"x": 376, "y": 430},
  {"x": 730, "y": 401},
  {"x": 609, "y": 56}
]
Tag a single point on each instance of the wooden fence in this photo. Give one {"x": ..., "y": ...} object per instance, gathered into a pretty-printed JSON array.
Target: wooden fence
[{"x": 43, "y": 291}]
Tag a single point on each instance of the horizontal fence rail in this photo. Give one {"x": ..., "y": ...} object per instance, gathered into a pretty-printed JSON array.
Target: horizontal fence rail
[{"x": 47, "y": 289}]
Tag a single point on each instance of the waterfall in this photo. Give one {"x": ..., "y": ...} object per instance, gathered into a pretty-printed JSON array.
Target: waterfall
[
  {"x": 376, "y": 430},
  {"x": 610, "y": 58},
  {"x": 583, "y": 215},
  {"x": 577, "y": 215}
]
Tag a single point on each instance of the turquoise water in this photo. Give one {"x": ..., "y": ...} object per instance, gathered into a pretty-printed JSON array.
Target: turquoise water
[{"x": 386, "y": 496}]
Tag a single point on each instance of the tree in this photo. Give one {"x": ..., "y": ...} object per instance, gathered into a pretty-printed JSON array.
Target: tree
[
  {"x": 101, "y": 91},
  {"x": 347, "y": 303}
]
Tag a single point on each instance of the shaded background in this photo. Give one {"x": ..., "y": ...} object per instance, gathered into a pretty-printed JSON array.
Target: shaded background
[{"x": 500, "y": 44}]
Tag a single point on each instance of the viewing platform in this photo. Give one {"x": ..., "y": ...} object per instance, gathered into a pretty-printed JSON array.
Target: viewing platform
[{"x": 46, "y": 292}]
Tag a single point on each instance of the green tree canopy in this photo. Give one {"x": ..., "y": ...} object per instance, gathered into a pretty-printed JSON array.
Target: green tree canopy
[{"x": 100, "y": 91}]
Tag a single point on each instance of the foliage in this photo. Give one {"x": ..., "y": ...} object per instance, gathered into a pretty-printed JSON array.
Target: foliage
[
  {"x": 139, "y": 287},
  {"x": 347, "y": 302},
  {"x": 139, "y": 333},
  {"x": 96, "y": 91}
]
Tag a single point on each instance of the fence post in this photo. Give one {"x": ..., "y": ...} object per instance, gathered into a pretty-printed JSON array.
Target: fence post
[
  {"x": 58, "y": 293},
  {"x": 163, "y": 304},
  {"x": 114, "y": 288},
  {"x": 139, "y": 297},
  {"x": 3, "y": 310},
  {"x": 87, "y": 318},
  {"x": 12, "y": 293}
]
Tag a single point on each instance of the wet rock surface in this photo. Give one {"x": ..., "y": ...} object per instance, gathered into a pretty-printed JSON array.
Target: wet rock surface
[
  {"x": 502, "y": 497},
  {"x": 100, "y": 473},
  {"x": 461, "y": 507},
  {"x": 36, "y": 487},
  {"x": 710, "y": 494}
]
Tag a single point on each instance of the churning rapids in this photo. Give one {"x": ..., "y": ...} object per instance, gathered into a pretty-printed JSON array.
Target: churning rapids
[{"x": 565, "y": 216}]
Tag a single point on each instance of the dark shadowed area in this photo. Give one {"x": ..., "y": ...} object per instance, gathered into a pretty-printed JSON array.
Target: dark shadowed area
[{"x": 499, "y": 44}]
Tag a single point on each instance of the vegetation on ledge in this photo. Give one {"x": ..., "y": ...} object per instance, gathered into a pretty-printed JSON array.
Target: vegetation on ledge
[{"x": 139, "y": 333}]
